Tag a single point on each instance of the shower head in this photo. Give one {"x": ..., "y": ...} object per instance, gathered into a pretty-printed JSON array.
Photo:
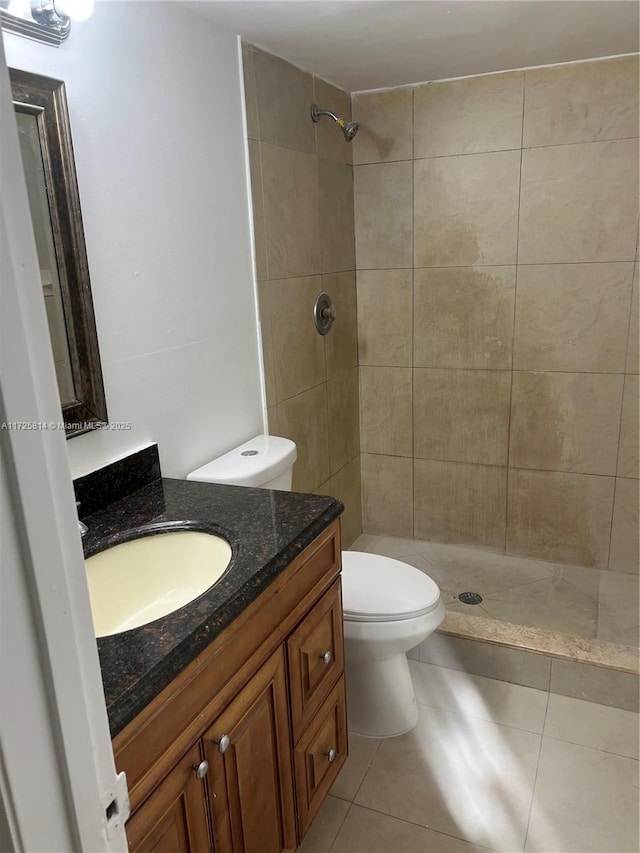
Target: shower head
[{"x": 348, "y": 128}]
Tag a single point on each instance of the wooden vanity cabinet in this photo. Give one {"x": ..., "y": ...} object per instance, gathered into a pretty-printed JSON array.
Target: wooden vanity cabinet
[
  {"x": 237, "y": 754},
  {"x": 175, "y": 817}
]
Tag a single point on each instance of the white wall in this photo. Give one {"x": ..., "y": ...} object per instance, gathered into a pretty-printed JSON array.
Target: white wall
[{"x": 155, "y": 102}]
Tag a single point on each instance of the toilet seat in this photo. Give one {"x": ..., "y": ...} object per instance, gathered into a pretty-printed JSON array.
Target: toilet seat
[{"x": 381, "y": 589}]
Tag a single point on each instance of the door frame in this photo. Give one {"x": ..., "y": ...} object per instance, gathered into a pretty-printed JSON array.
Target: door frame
[{"x": 57, "y": 771}]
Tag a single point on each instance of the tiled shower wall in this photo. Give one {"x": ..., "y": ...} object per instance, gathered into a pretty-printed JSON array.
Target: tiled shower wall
[
  {"x": 302, "y": 188},
  {"x": 497, "y": 290}
]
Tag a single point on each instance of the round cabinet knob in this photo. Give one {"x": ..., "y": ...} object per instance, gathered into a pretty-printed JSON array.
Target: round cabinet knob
[
  {"x": 201, "y": 769},
  {"x": 223, "y": 743},
  {"x": 331, "y": 755},
  {"x": 327, "y": 658}
]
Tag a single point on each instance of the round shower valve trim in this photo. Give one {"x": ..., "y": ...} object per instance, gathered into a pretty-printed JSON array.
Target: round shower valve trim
[{"x": 324, "y": 313}]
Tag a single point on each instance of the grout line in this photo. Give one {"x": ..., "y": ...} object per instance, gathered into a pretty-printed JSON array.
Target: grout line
[
  {"x": 493, "y": 722},
  {"x": 489, "y": 150},
  {"x": 507, "y": 370},
  {"x": 422, "y": 826},
  {"x": 593, "y": 748},
  {"x": 413, "y": 315},
  {"x": 366, "y": 772},
  {"x": 503, "y": 467},
  {"x": 513, "y": 327},
  {"x": 535, "y": 779},
  {"x": 615, "y": 481},
  {"x": 630, "y": 261},
  {"x": 342, "y": 822}
]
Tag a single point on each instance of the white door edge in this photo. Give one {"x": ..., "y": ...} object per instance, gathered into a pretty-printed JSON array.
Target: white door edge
[{"x": 57, "y": 770}]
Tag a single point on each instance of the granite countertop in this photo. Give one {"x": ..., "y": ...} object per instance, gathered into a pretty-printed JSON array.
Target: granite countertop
[{"x": 266, "y": 530}]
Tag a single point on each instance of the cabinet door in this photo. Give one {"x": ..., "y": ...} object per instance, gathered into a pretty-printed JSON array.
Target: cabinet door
[
  {"x": 250, "y": 776},
  {"x": 174, "y": 818}
]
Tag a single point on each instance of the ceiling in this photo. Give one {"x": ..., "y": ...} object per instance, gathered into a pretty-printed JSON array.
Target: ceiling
[{"x": 369, "y": 44}]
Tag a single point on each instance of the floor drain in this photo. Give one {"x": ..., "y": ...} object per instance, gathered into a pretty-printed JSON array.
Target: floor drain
[{"x": 470, "y": 597}]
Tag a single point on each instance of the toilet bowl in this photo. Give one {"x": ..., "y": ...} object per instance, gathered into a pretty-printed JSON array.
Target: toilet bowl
[{"x": 389, "y": 606}]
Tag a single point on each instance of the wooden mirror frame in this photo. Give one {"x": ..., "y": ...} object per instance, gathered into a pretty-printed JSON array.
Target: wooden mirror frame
[{"x": 45, "y": 99}]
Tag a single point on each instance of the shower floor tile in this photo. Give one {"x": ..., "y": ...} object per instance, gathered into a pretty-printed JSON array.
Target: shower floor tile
[{"x": 576, "y": 600}]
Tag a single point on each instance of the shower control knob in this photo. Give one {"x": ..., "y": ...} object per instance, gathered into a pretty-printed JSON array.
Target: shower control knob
[
  {"x": 329, "y": 313},
  {"x": 223, "y": 743},
  {"x": 201, "y": 769},
  {"x": 327, "y": 658},
  {"x": 331, "y": 755}
]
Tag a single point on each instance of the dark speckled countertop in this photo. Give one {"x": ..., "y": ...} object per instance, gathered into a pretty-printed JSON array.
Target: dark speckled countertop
[{"x": 266, "y": 530}]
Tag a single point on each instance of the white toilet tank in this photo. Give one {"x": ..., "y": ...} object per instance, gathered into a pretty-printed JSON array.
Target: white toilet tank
[{"x": 265, "y": 462}]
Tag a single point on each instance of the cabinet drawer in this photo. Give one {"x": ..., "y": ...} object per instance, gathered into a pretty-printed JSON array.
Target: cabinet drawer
[
  {"x": 319, "y": 755},
  {"x": 316, "y": 658}
]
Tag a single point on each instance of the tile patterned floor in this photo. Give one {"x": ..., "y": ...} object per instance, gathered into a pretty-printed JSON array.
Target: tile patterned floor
[
  {"x": 490, "y": 766},
  {"x": 585, "y": 602}
]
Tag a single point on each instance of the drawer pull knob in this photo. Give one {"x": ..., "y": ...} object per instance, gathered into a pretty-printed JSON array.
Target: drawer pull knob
[
  {"x": 331, "y": 755},
  {"x": 201, "y": 769},
  {"x": 327, "y": 657},
  {"x": 223, "y": 743}
]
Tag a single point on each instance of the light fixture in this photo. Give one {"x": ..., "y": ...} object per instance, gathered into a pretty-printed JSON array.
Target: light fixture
[{"x": 46, "y": 21}]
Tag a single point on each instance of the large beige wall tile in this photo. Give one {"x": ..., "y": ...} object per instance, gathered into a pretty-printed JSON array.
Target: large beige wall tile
[
  {"x": 342, "y": 341},
  {"x": 565, "y": 421},
  {"x": 572, "y": 317},
  {"x": 337, "y": 238},
  {"x": 387, "y": 495},
  {"x": 579, "y": 203},
  {"x": 346, "y": 486},
  {"x": 585, "y": 102},
  {"x": 634, "y": 328},
  {"x": 464, "y": 317},
  {"x": 628, "y": 451},
  {"x": 383, "y": 203},
  {"x": 468, "y": 116},
  {"x": 250, "y": 91},
  {"x": 257, "y": 207},
  {"x": 461, "y": 415},
  {"x": 265, "y": 306},
  {"x": 565, "y": 518},
  {"x": 386, "y": 410},
  {"x": 298, "y": 350},
  {"x": 303, "y": 419},
  {"x": 386, "y": 125},
  {"x": 460, "y": 503},
  {"x": 285, "y": 94},
  {"x": 624, "y": 531},
  {"x": 465, "y": 210},
  {"x": 385, "y": 317},
  {"x": 291, "y": 204},
  {"x": 329, "y": 138},
  {"x": 344, "y": 422}
]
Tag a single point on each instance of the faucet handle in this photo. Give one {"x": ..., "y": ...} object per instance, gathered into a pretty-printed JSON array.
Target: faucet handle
[{"x": 81, "y": 526}]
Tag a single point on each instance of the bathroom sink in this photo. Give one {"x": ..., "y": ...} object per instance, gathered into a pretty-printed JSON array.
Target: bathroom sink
[{"x": 136, "y": 582}]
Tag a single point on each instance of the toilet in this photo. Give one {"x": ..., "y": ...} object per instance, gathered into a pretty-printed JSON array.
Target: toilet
[{"x": 389, "y": 607}]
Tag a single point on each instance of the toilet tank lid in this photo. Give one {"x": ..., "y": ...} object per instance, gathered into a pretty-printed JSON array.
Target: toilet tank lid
[
  {"x": 380, "y": 589},
  {"x": 251, "y": 464}
]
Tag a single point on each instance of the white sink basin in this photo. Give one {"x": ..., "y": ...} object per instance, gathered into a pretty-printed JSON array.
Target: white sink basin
[{"x": 135, "y": 582}]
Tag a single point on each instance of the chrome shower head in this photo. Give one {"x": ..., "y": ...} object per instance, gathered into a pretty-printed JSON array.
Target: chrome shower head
[{"x": 348, "y": 128}]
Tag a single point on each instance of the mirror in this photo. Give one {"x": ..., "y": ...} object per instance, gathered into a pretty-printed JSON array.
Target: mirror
[{"x": 47, "y": 157}]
